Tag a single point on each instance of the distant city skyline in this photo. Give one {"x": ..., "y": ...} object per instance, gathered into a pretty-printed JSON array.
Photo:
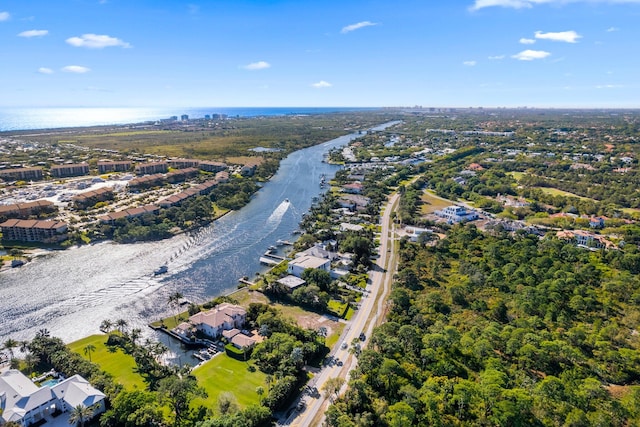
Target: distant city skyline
[{"x": 285, "y": 53}]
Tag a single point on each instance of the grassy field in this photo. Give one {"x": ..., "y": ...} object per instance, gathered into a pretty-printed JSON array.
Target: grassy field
[
  {"x": 557, "y": 192},
  {"x": 224, "y": 374},
  {"x": 631, "y": 211},
  {"x": 117, "y": 363},
  {"x": 433, "y": 203},
  {"x": 516, "y": 175}
]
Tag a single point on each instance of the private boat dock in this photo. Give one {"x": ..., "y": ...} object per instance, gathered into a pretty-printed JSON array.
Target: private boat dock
[{"x": 270, "y": 259}]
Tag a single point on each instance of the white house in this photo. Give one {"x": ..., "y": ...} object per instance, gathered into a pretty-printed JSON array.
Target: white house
[
  {"x": 24, "y": 402},
  {"x": 300, "y": 264},
  {"x": 455, "y": 214}
]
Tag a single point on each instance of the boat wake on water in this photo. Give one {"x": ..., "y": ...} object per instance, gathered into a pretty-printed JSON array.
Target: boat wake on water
[{"x": 278, "y": 213}]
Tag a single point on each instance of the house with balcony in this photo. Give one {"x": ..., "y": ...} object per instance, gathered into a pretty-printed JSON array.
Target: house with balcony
[
  {"x": 212, "y": 323},
  {"x": 455, "y": 214},
  {"x": 25, "y": 403}
]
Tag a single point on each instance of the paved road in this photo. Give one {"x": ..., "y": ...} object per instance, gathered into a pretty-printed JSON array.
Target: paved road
[{"x": 381, "y": 278}]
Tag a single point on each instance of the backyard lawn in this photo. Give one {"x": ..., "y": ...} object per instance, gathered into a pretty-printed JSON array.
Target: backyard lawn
[
  {"x": 117, "y": 363},
  {"x": 433, "y": 203},
  {"x": 224, "y": 374}
]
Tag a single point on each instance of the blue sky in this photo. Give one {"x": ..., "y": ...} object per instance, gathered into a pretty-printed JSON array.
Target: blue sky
[{"x": 458, "y": 53}]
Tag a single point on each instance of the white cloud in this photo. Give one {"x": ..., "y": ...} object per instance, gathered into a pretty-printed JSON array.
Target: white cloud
[
  {"x": 78, "y": 69},
  {"x": 612, "y": 29},
  {"x": 496, "y": 57},
  {"x": 521, "y": 4},
  {"x": 357, "y": 26},
  {"x": 609, "y": 86},
  {"x": 4, "y": 16},
  {"x": 96, "y": 41},
  {"x": 527, "y": 41},
  {"x": 260, "y": 65},
  {"x": 469, "y": 63},
  {"x": 33, "y": 33},
  {"x": 45, "y": 70},
  {"x": 530, "y": 55},
  {"x": 321, "y": 84},
  {"x": 561, "y": 36}
]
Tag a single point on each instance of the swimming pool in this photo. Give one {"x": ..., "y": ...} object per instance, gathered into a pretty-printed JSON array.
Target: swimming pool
[{"x": 50, "y": 382}]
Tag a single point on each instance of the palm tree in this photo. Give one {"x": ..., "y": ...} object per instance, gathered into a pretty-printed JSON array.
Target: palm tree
[
  {"x": 80, "y": 414},
  {"x": 31, "y": 360},
  {"x": 174, "y": 302},
  {"x": 121, "y": 324},
  {"x": 9, "y": 345},
  {"x": 88, "y": 349},
  {"x": 24, "y": 346},
  {"x": 134, "y": 335},
  {"x": 106, "y": 326},
  {"x": 268, "y": 379},
  {"x": 297, "y": 356},
  {"x": 43, "y": 333}
]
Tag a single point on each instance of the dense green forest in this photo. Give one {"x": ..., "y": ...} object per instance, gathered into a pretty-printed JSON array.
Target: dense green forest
[{"x": 502, "y": 330}]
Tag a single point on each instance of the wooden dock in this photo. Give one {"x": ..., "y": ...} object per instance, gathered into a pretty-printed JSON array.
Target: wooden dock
[{"x": 245, "y": 281}]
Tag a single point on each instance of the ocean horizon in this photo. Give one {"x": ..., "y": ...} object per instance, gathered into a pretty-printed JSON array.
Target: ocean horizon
[{"x": 36, "y": 118}]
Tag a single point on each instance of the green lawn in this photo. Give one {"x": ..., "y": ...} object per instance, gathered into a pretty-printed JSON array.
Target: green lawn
[
  {"x": 333, "y": 338},
  {"x": 433, "y": 203},
  {"x": 224, "y": 374},
  {"x": 558, "y": 192},
  {"x": 516, "y": 175},
  {"x": 339, "y": 309},
  {"x": 117, "y": 363}
]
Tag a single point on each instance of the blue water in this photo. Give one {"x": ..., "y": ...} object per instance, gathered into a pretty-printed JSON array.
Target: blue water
[
  {"x": 49, "y": 383},
  {"x": 12, "y": 119}
]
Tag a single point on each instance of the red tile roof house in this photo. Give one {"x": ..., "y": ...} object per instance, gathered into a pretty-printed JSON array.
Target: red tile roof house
[{"x": 223, "y": 317}]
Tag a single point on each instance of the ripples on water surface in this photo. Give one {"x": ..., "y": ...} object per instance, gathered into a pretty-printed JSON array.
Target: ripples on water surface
[{"x": 70, "y": 292}]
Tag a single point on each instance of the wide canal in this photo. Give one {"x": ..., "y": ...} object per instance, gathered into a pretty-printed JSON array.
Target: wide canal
[{"x": 71, "y": 292}]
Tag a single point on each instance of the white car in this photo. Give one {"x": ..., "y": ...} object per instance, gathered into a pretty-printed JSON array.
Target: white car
[{"x": 344, "y": 346}]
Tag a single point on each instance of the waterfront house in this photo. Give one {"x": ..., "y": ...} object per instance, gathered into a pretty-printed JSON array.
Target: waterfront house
[
  {"x": 23, "y": 402},
  {"x": 297, "y": 266},
  {"x": 353, "y": 188},
  {"x": 292, "y": 282},
  {"x": 222, "y": 317}
]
